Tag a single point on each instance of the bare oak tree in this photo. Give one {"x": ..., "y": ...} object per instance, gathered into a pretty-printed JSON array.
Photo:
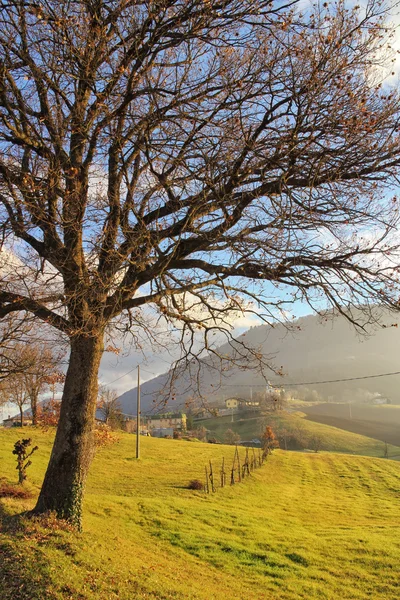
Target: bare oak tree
[
  {"x": 110, "y": 407},
  {"x": 184, "y": 155},
  {"x": 14, "y": 330},
  {"x": 13, "y": 391},
  {"x": 43, "y": 365},
  {"x": 24, "y": 357}
]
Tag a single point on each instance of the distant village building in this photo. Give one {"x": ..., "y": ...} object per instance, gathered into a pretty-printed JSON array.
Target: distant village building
[
  {"x": 381, "y": 400},
  {"x": 16, "y": 421},
  {"x": 232, "y": 402},
  {"x": 240, "y": 403},
  {"x": 209, "y": 411},
  {"x": 254, "y": 443},
  {"x": 160, "y": 425},
  {"x": 249, "y": 403},
  {"x": 162, "y": 432},
  {"x": 165, "y": 421}
]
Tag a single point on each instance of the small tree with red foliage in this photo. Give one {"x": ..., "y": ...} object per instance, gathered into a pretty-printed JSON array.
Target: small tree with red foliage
[
  {"x": 269, "y": 441},
  {"x": 48, "y": 414}
]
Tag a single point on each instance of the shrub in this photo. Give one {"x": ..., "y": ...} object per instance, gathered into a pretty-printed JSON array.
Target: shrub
[
  {"x": 231, "y": 437},
  {"x": 269, "y": 441},
  {"x": 195, "y": 484},
  {"x": 201, "y": 433},
  {"x": 316, "y": 443},
  {"x": 103, "y": 436},
  {"x": 8, "y": 490},
  {"x": 48, "y": 414},
  {"x": 189, "y": 421},
  {"x": 23, "y": 462}
]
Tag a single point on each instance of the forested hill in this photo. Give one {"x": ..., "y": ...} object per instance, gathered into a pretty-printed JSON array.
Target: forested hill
[{"x": 318, "y": 351}]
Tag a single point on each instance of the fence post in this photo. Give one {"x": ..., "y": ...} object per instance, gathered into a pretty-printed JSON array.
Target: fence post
[
  {"x": 212, "y": 477},
  {"x": 246, "y": 466},
  {"x": 238, "y": 463},
  {"x": 207, "y": 488},
  {"x": 223, "y": 473},
  {"x": 233, "y": 468}
]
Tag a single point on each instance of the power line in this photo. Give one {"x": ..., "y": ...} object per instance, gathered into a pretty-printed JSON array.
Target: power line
[
  {"x": 316, "y": 382},
  {"x": 279, "y": 385},
  {"x": 128, "y": 373},
  {"x": 121, "y": 377},
  {"x": 149, "y": 372}
]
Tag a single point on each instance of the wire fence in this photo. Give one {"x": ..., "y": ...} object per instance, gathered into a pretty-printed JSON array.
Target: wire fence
[{"x": 241, "y": 468}]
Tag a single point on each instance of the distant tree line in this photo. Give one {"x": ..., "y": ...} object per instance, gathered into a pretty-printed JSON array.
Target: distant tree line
[{"x": 28, "y": 370}]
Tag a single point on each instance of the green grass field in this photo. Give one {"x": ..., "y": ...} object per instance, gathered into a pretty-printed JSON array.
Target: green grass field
[
  {"x": 303, "y": 526},
  {"x": 332, "y": 438}
]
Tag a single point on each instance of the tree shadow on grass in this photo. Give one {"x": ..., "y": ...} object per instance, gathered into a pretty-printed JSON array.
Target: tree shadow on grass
[{"x": 24, "y": 571}]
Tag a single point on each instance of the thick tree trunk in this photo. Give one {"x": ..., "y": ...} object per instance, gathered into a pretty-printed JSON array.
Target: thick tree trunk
[
  {"x": 21, "y": 415},
  {"x": 63, "y": 485}
]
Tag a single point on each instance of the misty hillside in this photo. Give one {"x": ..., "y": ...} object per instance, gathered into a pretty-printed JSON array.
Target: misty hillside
[{"x": 317, "y": 351}]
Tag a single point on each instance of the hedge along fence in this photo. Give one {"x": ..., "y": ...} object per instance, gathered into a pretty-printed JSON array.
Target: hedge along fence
[{"x": 239, "y": 470}]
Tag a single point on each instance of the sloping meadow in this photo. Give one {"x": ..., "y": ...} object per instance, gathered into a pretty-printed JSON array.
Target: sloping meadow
[{"x": 306, "y": 526}]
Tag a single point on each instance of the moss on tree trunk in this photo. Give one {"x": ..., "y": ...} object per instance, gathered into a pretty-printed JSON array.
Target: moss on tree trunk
[{"x": 64, "y": 482}]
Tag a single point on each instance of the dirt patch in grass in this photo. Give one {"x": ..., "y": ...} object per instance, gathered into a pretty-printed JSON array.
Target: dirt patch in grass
[{"x": 9, "y": 490}]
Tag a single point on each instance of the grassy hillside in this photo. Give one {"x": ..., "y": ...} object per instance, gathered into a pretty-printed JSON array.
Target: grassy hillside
[
  {"x": 304, "y": 526},
  {"x": 315, "y": 350},
  {"x": 380, "y": 422},
  {"x": 333, "y": 439}
]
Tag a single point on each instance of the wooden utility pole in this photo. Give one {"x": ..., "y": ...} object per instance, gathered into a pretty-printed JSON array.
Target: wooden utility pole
[{"x": 138, "y": 415}]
